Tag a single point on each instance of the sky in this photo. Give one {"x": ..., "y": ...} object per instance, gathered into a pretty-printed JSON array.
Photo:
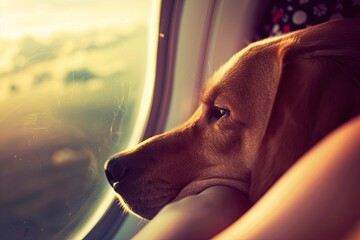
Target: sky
[{"x": 45, "y": 17}]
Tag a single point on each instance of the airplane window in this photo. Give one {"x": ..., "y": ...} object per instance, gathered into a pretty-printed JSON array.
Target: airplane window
[{"x": 75, "y": 87}]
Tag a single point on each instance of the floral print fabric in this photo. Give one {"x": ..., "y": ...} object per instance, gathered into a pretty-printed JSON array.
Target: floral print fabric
[{"x": 290, "y": 15}]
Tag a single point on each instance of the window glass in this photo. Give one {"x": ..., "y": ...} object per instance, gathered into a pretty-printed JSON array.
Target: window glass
[{"x": 72, "y": 84}]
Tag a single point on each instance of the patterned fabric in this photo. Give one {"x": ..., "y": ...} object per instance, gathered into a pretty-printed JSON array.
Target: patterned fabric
[{"x": 290, "y": 15}]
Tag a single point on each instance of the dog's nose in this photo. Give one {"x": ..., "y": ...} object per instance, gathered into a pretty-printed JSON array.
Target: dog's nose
[{"x": 115, "y": 171}]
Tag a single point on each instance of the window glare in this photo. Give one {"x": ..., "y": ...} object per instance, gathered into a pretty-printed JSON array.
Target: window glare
[{"x": 76, "y": 80}]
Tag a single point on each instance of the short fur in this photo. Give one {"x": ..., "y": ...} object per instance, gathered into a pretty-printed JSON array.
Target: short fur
[{"x": 283, "y": 94}]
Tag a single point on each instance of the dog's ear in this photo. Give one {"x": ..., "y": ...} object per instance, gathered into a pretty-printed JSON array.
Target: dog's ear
[
  {"x": 330, "y": 53},
  {"x": 334, "y": 38},
  {"x": 317, "y": 92},
  {"x": 336, "y": 42}
]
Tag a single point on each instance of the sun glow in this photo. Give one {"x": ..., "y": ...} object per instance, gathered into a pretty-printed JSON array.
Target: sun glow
[{"x": 19, "y": 18}]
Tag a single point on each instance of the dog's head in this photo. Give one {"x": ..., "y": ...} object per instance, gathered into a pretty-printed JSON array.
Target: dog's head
[{"x": 259, "y": 113}]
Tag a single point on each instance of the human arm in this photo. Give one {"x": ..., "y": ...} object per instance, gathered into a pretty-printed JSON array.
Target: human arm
[
  {"x": 199, "y": 216},
  {"x": 318, "y": 198}
]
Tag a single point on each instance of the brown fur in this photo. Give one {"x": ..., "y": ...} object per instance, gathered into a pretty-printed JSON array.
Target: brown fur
[{"x": 283, "y": 94}]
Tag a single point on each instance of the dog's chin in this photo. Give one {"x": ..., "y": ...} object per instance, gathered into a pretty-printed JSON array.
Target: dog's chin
[
  {"x": 141, "y": 206},
  {"x": 148, "y": 210},
  {"x": 139, "y": 210},
  {"x": 148, "y": 206}
]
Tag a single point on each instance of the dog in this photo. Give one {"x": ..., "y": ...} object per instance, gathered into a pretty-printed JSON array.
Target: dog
[{"x": 259, "y": 113}]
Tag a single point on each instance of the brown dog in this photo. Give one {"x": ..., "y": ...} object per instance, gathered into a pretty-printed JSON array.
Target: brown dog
[{"x": 259, "y": 113}]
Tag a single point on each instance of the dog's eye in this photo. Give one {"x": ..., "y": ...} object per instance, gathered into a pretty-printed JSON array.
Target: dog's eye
[{"x": 219, "y": 113}]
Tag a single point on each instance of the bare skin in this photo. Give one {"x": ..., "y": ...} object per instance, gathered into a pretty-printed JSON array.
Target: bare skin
[
  {"x": 219, "y": 205},
  {"x": 313, "y": 200},
  {"x": 316, "y": 199}
]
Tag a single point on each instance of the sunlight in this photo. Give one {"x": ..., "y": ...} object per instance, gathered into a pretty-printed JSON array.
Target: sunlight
[{"x": 19, "y": 18}]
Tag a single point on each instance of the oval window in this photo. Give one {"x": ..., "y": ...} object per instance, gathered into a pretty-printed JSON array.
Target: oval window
[{"x": 74, "y": 76}]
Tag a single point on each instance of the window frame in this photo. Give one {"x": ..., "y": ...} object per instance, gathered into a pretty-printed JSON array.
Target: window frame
[{"x": 113, "y": 219}]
